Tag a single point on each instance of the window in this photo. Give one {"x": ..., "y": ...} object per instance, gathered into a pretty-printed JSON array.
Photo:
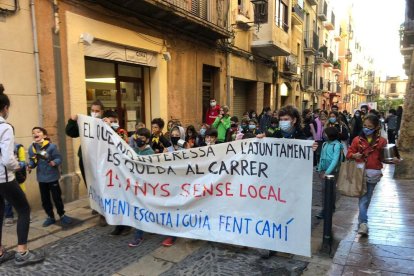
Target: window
[
  {"x": 282, "y": 14},
  {"x": 393, "y": 87}
]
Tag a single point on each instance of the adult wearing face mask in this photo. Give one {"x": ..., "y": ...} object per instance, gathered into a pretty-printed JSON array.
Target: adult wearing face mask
[
  {"x": 335, "y": 121},
  {"x": 72, "y": 130},
  {"x": 222, "y": 123},
  {"x": 212, "y": 112}
]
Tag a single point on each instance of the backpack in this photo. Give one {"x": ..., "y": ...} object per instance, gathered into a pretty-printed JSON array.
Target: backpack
[
  {"x": 341, "y": 157},
  {"x": 392, "y": 122},
  {"x": 21, "y": 174}
]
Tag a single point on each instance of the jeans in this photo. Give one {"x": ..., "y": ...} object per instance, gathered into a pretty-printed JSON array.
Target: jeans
[
  {"x": 364, "y": 202},
  {"x": 138, "y": 234}
]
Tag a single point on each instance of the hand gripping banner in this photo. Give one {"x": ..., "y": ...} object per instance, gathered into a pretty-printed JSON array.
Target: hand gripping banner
[{"x": 254, "y": 192}]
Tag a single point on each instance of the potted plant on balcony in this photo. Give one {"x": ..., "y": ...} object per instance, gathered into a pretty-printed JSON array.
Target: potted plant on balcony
[{"x": 337, "y": 64}]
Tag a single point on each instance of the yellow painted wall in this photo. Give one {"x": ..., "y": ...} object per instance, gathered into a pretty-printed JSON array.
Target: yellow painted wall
[{"x": 17, "y": 74}]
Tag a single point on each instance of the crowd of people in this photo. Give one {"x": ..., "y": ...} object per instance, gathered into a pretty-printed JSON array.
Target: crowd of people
[{"x": 335, "y": 134}]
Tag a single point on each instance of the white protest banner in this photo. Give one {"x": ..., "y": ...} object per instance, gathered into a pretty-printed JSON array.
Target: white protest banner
[{"x": 254, "y": 192}]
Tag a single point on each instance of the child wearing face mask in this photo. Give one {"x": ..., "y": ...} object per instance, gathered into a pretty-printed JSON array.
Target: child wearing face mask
[
  {"x": 222, "y": 123},
  {"x": 232, "y": 132},
  {"x": 366, "y": 149},
  {"x": 45, "y": 157},
  {"x": 143, "y": 148},
  {"x": 289, "y": 124},
  {"x": 254, "y": 127},
  {"x": 177, "y": 133},
  {"x": 111, "y": 118},
  {"x": 331, "y": 153},
  {"x": 201, "y": 138}
]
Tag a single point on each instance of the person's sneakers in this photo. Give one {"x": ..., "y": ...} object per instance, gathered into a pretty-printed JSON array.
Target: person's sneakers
[
  {"x": 28, "y": 258},
  {"x": 94, "y": 212},
  {"x": 7, "y": 255},
  {"x": 65, "y": 220},
  {"x": 120, "y": 230},
  {"x": 8, "y": 222},
  {"x": 48, "y": 222},
  {"x": 168, "y": 241},
  {"x": 135, "y": 243},
  {"x": 363, "y": 229}
]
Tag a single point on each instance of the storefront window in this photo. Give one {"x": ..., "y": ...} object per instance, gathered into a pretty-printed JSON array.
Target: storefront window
[{"x": 119, "y": 87}]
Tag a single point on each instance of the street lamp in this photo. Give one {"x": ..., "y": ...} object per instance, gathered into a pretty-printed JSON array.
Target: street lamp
[{"x": 260, "y": 12}]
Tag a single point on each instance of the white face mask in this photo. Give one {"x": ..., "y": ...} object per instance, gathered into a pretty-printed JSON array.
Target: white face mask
[
  {"x": 115, "y": 126},
  {"x": 212, "y": 104},
  {"x": 96, "y": 115}
]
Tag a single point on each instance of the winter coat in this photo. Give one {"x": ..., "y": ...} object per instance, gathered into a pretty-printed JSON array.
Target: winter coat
[
  {"x": 330, "y": 157},
  {"x": 371, "y": 154},
  {"x": 45, "y": 172},
  {"x": 8, "y": 161},
  {"x": 222, "y": 124}
]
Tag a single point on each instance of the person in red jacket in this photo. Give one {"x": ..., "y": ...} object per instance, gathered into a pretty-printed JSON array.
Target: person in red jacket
[
  {"x": 366, "y": 149},
  {"x": 212, "y": 112}
]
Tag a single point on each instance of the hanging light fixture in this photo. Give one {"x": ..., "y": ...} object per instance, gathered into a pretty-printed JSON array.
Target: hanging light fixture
[{"x": 260, "y": 12}]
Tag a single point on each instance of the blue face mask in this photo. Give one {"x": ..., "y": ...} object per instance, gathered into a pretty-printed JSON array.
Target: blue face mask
[
  {"x": 332, "y": 120},
  {"x": 285, "y": 125},
  {"x": 252, "y": 126},
  {"x": 202, "y": 131},
  {"x": 368, "y": 131}
]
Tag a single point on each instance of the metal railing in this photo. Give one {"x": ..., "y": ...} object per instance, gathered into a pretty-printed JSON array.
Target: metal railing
[
  {"x": 212, "y": 11},
  {"x": 299, "y": 11},
  {"x": 291, "y": 64},
  {"x": 311, "y": 40},
  {"x": 307, "y": 78},
  {"x": 323, "y": 8}
]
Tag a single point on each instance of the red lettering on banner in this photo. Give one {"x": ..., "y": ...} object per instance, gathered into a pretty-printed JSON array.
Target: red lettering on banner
[
  {"x": 109, "y": 173},
  {"x": 165, "y": 190}
]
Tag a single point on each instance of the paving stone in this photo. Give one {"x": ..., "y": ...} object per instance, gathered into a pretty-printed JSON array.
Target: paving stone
[
  {"x": 90, "y": 252},
  {"x": 220, "y": 259}
]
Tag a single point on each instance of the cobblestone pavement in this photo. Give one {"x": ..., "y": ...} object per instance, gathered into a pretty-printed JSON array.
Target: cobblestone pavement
[
  {"x": 94, "y": 252},
  {"x": 220, "y": 259},
  {"x": 91, "y": 252}
]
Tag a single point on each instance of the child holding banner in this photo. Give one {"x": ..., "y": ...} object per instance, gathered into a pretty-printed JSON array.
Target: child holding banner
[
  {"x": 289, "y": 128},
  {"x": 143, "y": 148},
  {"x": 158, "y": 142}
]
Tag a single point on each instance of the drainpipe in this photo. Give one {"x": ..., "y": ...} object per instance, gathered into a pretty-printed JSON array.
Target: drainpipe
[
  {"x": 60, "y": 103},
  {"x": 37, "y": 64},
  {"x": 228, "y": 66}
]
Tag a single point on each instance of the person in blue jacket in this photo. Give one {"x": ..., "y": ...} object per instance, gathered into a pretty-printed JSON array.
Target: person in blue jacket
[
  {"x": 330, "y": 159},
  {"x": 45, "y": 157}
]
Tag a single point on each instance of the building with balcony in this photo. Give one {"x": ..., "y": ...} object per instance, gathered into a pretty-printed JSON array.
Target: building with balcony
[
  {"x": 393, "y": 88},
  {"x": 144, "y": 59}
]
